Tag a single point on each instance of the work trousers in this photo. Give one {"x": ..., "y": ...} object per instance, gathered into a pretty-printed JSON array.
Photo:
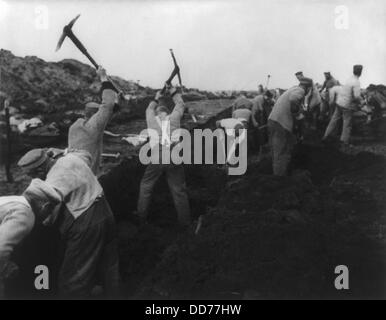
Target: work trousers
[
  {"x": 90, "y": 252},
  {"x": 176, "y": 180},
  {"x": 281, "y": 142},
  {"x": 339, "y": 113}
]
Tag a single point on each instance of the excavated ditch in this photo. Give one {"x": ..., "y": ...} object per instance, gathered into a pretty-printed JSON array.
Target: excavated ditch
[{"x": 262, "y": 236}]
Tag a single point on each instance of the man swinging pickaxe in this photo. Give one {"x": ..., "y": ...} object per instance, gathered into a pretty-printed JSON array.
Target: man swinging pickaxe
[{"x": 67, "y": 32}]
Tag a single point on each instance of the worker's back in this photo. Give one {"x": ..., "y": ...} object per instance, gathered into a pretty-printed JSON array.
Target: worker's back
[
  {"x": 242, "y": 102},
  {"x": 73, "y": 179},
  {"x": 281, "y": 111},
  {"x": 349, "y": 92},
  {"x": 243, "y": 114}
]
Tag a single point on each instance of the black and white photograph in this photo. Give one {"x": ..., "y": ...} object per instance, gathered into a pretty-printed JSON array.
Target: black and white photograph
[{"x": 190, "y": 156}]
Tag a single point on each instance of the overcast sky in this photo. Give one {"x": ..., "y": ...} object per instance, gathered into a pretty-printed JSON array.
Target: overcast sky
[{"x": 227, "y": 44}]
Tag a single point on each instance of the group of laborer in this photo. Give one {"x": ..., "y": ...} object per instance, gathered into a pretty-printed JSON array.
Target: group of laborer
[
  {"x": 282, "y": 113},
  {"x": 65, "y": 192}
]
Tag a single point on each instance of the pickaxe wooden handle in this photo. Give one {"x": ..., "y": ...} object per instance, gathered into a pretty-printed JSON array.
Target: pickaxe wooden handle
[
  {"x": 176, "y": 67},
  {"x": 67, "y": 32},
  {"x": 175, "y": 72}
]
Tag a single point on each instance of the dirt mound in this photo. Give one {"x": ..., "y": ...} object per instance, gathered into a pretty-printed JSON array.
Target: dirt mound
[
  {"x": 272, "y": 237},
  {"x": 37, "y": 86},
  {"x": 45, "y": 88}
]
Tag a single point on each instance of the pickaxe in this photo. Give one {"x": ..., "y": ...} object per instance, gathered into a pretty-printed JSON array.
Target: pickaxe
[
  {"x": 67, "y": 32},
  {"x": 176, "y": 72},
  {"x": 176, "y": 67}
]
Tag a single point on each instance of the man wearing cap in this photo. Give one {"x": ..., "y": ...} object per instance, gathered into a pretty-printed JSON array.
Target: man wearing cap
[
  {"x": 235, "y": 131},
  {"x": 241, "y": 102},
  {"x": 329, "y": 83},
  {"x": 348, "y": 100},
  {"x": 242, "y": 113},
  {"x": 163, "y": 127},
  {"x": 261, "y": 108},
  {"x": 281, "y": 124},
  {"x": 18, "y": 215},
  {"x": 37, "y": 162},
  {"x": 85, "y": 222},
  {"x": 87, "y": 134},
  {"x": 299, "y": 75}
]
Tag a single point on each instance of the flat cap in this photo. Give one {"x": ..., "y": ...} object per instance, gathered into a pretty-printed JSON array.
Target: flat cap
[
  {"x": 299, "y": 73},
  {"x": 327, "y": 73},
  {"x": 307, "y": 82},
  {"x": 33, "y": 159},
  {"x": 357, "y": 67}
]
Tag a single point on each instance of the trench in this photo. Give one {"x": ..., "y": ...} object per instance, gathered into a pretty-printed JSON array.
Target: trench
[
  {"x": 143, "y": 250},
  {"x": 329, "y": 217}
]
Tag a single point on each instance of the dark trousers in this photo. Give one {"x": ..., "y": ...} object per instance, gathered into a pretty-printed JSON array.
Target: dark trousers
[
  {"x": 176, "y": 180},
  {"x": 90, "y": 252},
  {"x": 281, "y": 142}
]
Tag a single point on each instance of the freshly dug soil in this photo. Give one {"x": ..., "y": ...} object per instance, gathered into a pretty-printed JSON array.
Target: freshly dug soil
[{"x": 267, "y": 237}]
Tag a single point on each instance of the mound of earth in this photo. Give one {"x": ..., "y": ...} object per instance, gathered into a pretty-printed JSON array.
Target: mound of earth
[{"x": 277, "y": 237}]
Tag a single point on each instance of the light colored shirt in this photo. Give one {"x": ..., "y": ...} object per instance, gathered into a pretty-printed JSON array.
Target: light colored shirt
[
  {"x": 74, "y": 181},
  {"x": 328, "y": 84},
  {"x": 334, "y": 92},
  {"x": 170, "y": 125},
  {"x": 282, "y": 111},
  {"x": 242, "y": 114},
  {"x": 88, "y": 134},
  {"x": 242, "y": 102},
  {"x": 258, "y": 103},
  {"x": 16, "y": 222},
  {"x": 313, "y": 98},
  {"x": 261, "y": 110},
  {"x": 350, "y": 93}
]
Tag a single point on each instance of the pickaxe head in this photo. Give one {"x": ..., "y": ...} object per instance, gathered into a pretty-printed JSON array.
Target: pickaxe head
[{"x": 66, "y": 31}]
